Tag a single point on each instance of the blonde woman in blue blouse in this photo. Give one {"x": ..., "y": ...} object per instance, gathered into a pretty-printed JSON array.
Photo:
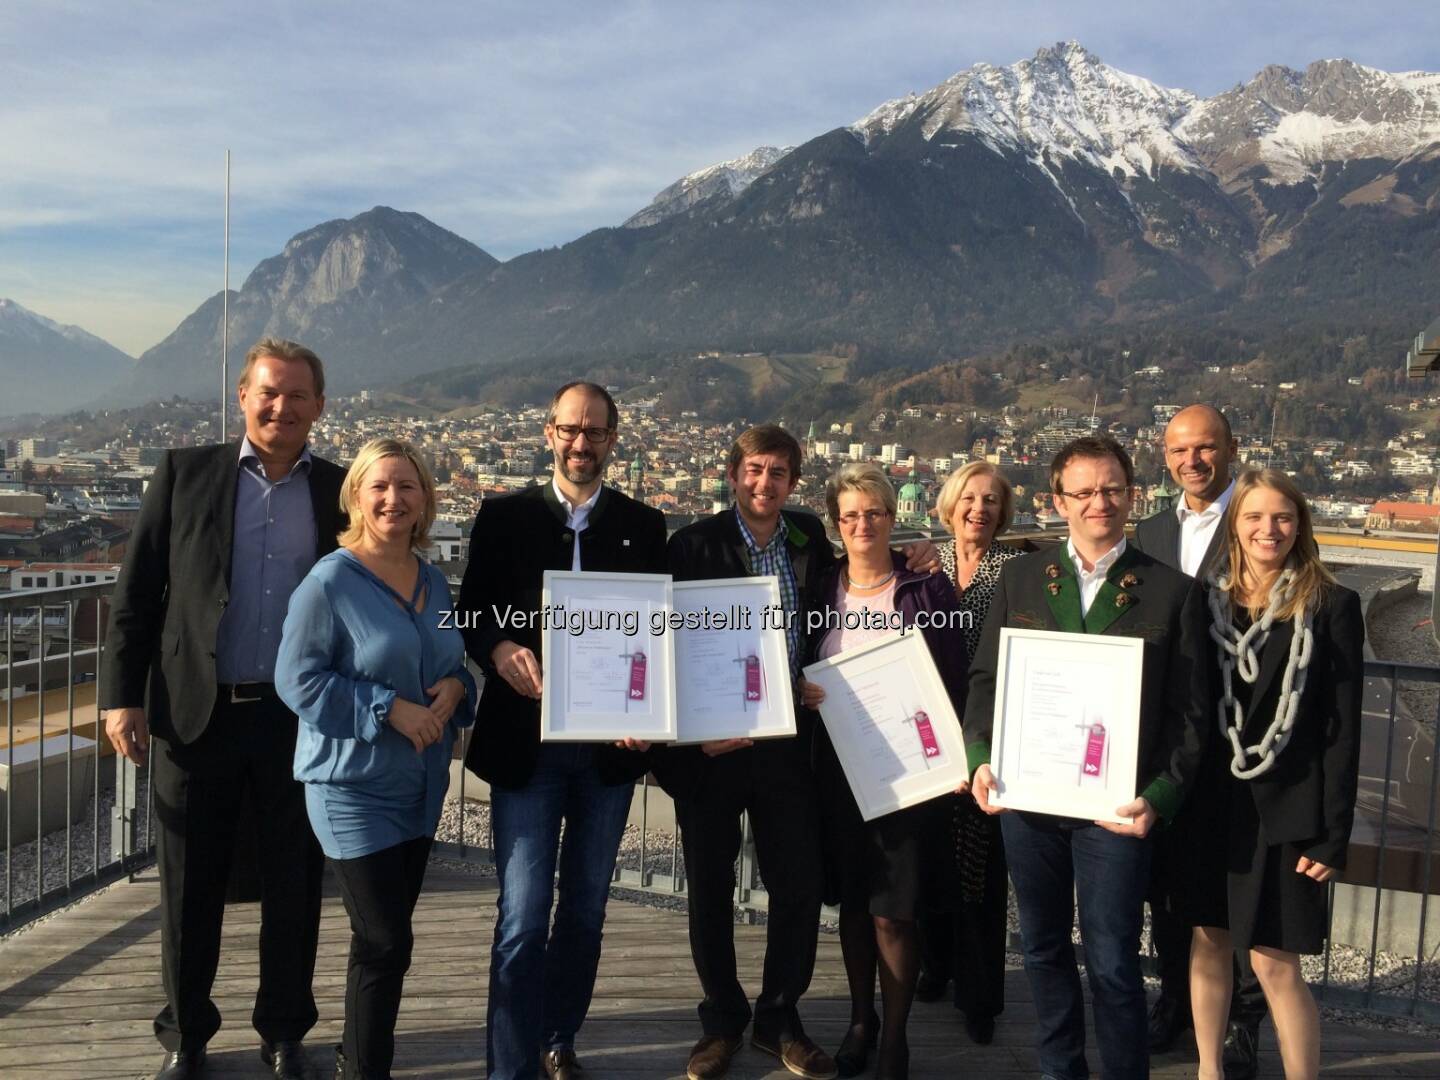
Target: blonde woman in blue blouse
[{"x": 377, "y": 677}]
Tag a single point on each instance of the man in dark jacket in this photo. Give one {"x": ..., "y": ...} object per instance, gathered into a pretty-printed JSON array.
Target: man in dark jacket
[
  {"x": 1095, "y": 584},
  {"x": 540, "y": 989},
  {"x": 1199, "y": 452},
  {"x": 224, "y": 535},
  {"x": 772, "y": 778}
]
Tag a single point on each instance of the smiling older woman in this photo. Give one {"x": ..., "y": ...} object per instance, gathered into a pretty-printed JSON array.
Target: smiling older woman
[
  {"x": 879, "y": 865},
  {"x": 963, "y": 929},
  {"x": 377, "y": 676}
]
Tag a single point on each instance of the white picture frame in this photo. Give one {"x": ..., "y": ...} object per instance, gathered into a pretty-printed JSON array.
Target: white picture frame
[
  {"x": 892, "y": 723},
  {"x": 610, "y": 675},
  {"x": 1051, "y": 690},
  {"x": 732, "y": 665}
]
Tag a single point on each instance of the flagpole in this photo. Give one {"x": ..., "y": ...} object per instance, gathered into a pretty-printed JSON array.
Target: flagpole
[{"x": 225, "y": 318}]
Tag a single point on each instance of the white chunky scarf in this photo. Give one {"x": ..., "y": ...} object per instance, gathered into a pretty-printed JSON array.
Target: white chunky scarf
[{"x": 1240, "y": 652}]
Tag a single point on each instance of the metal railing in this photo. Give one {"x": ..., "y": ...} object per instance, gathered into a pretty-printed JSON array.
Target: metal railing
[
  {"x": 58, "y": 634},
  {"x": 1379, "y": 911}
]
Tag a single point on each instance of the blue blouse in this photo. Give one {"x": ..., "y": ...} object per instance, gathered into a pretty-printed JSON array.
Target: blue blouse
[{"x": 348, "y": 650}]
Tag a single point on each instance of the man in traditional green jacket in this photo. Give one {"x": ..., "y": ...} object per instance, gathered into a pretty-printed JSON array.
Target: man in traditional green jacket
[{"x": 1095, "y": 584}]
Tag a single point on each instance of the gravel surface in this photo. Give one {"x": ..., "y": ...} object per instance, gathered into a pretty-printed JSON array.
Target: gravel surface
[{"x": 21, "y": 862}]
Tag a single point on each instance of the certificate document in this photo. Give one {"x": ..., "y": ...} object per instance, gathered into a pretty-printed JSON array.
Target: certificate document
[
  {"x": 732, "y": 670},
  {"x": 892, "y": 724},
  {"x": 607, "y": 664},
  {"x": 1067, "y": 722}
]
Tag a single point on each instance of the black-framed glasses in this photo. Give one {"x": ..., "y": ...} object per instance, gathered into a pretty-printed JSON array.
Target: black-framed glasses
[
  {"x": 1113, "y": 493},
  {"x": 570, "y": 432},
  {"x": 852, "y": 519}
]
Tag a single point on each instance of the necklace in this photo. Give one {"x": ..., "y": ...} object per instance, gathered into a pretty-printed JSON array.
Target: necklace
[
  {"x": 1238, "y": 652},
  {"x": 849, "y": 581}
]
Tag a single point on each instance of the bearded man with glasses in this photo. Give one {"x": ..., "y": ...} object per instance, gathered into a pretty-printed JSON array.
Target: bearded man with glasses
[
  {"x": 542, "y": 975},
  {"x": 1095, "y": 583}
]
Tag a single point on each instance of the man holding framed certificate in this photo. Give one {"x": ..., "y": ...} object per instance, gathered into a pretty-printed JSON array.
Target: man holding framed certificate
[
  {"x": 541, "y": 978},
  {"x": 1094, "y": 584}
]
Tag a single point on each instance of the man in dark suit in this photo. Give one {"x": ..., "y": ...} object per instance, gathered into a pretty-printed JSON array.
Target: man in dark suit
[
  {"x": 1199, "y": 452},
  {"x": 224, "y": 535},
  {"x": 1095, "y": 584},
  {"x": 772, "y": 779},
  {"x": 540, "y": 990}
]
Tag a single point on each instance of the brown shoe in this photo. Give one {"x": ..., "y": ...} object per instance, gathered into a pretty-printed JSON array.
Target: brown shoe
[
  {"x": 711, "y": 1056},
  {"x": 560, "y": 1065},
  {"x": 801, "y": 1056}
]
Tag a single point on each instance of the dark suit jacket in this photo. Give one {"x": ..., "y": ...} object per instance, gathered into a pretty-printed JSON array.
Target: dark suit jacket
[
  {"x": 1308, "y": 798},
  {"x": 713, "y": 548},
  {"x": 1159, "y": 536},
  {"x": 175, "y": 584},
  {"x": 515, "y": 540},
  {"x": 1176, "y": 710}
]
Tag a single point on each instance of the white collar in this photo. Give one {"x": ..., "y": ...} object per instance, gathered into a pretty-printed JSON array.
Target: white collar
[
  {"x": 588, "y": 504},
  {"x": 1215, "y": 509},
  {"x": 1102, "y": 564}
]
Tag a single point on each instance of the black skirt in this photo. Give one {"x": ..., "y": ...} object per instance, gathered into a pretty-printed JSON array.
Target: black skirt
[
  {"x": 882, "y": 863},
  {"x": 1235, "y": 879}
]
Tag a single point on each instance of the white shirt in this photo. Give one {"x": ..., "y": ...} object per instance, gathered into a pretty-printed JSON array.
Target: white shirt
[
  {"x": 1197, "y": 528},
  {"x": 576, "y": 517},
  {"x": 1091, "y": 580}
]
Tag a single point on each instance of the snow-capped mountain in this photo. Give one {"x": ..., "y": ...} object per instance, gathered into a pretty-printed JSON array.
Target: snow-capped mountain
[
  {"x": 1063, "y": 101},
  {"x": 42, "y": 362},
  {"x": 728, "y": 178}
]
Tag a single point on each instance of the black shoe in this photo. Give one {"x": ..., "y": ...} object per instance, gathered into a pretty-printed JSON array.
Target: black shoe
[
  {"x": 981, "y": 1029},
  {"x": 182, "y": 1065},
  {"x": 285, "y": 1060},
  {"x": 930, "y": 987},
  {"x": 1168, "y": 1018},
  {"x": 855, "y": 1048},
  {"x": 1240, "y": 1059}
]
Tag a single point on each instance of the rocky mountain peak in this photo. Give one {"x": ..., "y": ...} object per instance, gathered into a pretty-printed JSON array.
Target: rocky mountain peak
[{"x": 727, "y": 178}]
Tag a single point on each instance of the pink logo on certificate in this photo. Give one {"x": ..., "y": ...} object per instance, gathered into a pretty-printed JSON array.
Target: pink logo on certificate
[
  {"x": 926, "y": 731},
  {"x": 637, "y": 676},
  {"x": 1094, "y": 750},
  {"x": 752, "y": 678}
]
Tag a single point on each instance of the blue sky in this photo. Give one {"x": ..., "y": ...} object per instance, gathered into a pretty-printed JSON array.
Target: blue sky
[{"x": 516, "y": 125}]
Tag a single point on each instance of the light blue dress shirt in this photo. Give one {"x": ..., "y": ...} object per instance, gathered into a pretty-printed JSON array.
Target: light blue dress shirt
[
  {"x": 274, "y": 547},
  {"x": 351, "y": 646}
]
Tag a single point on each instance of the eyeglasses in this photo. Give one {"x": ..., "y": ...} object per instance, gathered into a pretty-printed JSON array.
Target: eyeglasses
[
  {"x": 850, "y": 520},
  {"x": 570, "y": 432},
  {"x": 1111, "y": 494}
]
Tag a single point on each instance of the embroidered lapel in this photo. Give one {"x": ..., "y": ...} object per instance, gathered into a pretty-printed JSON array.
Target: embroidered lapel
[
  {"x": 1062, "y": 591},
  {"x": 1114, "y": 600}
]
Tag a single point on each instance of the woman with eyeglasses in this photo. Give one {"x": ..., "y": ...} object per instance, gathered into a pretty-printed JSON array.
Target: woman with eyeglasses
[
  {"x": 1269, "y": 821},
  {"x": 878, "y": 865},
  {"x": 964, "y": 928}
]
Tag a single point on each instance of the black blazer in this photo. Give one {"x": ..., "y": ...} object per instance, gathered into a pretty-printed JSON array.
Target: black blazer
[
  {"x": 1176, "y": 710},
  {"x": 1308, "y": 798},
  {"x": 515, "y": 540},
  {"x": 1159, "y": 536},
  {"x": 175, "y": 584},
  {"x": 713, "y": 548}
]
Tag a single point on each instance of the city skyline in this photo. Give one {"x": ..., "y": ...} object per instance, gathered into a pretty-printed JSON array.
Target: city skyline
[{"x": 516, "y": 129}]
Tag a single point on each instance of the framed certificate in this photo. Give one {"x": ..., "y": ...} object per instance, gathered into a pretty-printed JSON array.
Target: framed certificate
[
  {"x": 892, "y": 724},
  {"x": 732, "y": 670},
  {"x": 1067, "y": 723},
  {"x": 609, "y": 664}
]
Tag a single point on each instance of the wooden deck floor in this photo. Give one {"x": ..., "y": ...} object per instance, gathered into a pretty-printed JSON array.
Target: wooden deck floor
[{"x": 77, "y": 994}]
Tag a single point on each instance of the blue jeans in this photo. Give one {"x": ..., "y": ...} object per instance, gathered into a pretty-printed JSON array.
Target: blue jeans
[
  {"x": 1053, "y": 860},
  {"x": 541, "y": 977}
]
